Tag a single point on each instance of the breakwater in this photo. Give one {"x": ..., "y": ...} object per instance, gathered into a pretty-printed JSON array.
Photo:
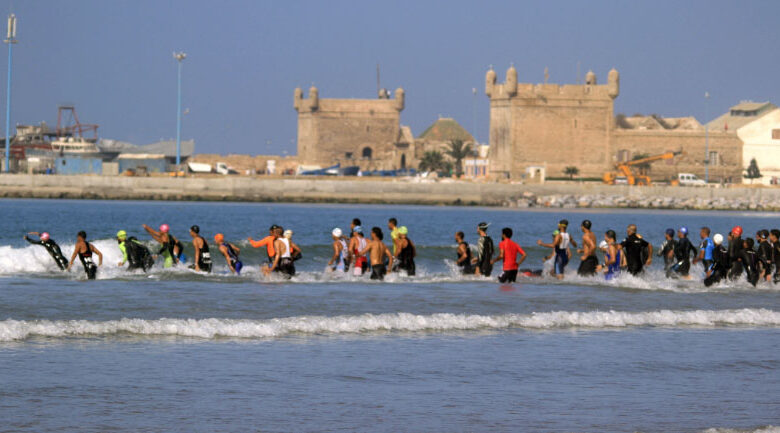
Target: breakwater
[{"x": 392, "y": 191}]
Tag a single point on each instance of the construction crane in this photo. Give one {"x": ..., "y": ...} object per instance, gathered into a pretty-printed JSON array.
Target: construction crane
[{"x": 623, "y": 169}]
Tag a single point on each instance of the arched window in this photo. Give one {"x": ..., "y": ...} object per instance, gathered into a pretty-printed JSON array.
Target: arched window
[
  {"x": 367, "y": 153},
  {"x": 403, "y": 162}
]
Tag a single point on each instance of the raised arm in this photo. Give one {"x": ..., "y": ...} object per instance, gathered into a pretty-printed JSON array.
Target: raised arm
[{"x": 153, "y": 233}]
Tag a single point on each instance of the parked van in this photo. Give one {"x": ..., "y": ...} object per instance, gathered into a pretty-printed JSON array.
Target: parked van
[{"x": 689, "y": 179}]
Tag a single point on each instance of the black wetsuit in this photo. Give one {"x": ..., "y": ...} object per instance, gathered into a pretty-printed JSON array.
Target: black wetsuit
[
  {"x": 668, "y": 245},
  {"x": 406, "y": 258},
  {"x": 138, "y": 256},
  {"x": 485, "y": 255},
  {"x": 634, "y": 248},
  {"x": 204, "y": 262},
  {"x": 378, "y": 272},
  {"x": 776, "y": 257},
  {"x": 54, "y": 251},
  {"x": 720, "y": 265},
  {"x": 682, "y": 253},
  {"x": 588, "y": 266},
  {"x": 765, "y": 257},
  {"x": 465, "y": 266},
  {"x": 750, "y": 261},
  {"x": 175, "y": 243},
  {"x": 86, "y": 260},
  {"x": 735, "y": 250}
]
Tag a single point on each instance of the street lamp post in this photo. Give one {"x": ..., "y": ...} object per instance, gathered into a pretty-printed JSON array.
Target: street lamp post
[
  {"x": 706, "y": 137},
  {"x": 180, "y": 56},
  {"x": 10, "y": 40}
]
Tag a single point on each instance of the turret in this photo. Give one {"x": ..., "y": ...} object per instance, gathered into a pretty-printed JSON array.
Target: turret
[
  {"x": 613, "y": 83},
  {"x": 510, "y": 86},
  {"x": 298, "y": 98},
  {"x": 314, "y": 98},
  {"x": 399, "y": 99},
  {"x": 490, "y": 81},
  {"x": 590, "y": 78}
]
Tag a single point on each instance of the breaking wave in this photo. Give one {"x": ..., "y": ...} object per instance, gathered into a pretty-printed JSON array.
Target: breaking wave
[
  {"x": 764, "y": 429},
  {"x": 15, "y": 330}
]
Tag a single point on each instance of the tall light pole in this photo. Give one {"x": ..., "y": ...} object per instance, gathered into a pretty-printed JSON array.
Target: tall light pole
[
  {"x": 180, "y": 56},
  {"x": 706, "y": 137},
  {"x": 10, "y": 40}
]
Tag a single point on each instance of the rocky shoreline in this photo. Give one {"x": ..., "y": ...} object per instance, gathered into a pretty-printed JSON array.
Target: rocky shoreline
[{"x": 571, "y": 201}]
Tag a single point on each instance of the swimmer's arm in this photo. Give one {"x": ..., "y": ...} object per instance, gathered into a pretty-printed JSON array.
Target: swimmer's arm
[
  {"x": 649, "y": 254},
  {"x": 39, "y": 242},
  {"x": 154, "y": 233},
  {"x": 499, "y": 257},
  {"x": 555, "y": 243},
  {"x": 336, "y": 251},
  {"x": 387, "y": 252},
  {"x": 572, "y": 241},
  {"x": 368, "y": 248},
  {"x": 295, "y": 249},
  {"x": 522, "y": 257},
  {"x": 224, "y": 252},
  {"x": 73, "y": 257},
  {"x": 461, "y": 254},
  {"x": 236, "y": 249},
  {"x": 198, "y": 244}
]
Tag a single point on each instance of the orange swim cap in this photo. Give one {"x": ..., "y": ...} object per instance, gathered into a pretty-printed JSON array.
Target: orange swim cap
[{"x": 219, "y": 238}]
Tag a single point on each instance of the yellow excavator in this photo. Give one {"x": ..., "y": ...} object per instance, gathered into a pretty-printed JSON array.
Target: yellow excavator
[{"x": 623, "y": 170}]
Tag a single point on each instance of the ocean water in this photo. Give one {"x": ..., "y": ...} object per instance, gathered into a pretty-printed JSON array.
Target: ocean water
[{"x": 173, "y": 350}]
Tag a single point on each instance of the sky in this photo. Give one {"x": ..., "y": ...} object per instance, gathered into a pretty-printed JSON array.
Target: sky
[{"x": 113, "y": 60}]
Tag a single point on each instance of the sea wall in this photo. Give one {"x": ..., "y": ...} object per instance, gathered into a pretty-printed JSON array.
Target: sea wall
[{"x": 399, "y": 191}]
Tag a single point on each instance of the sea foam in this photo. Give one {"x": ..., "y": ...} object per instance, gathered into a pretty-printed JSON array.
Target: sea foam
[{"x": 15, "y": 330}]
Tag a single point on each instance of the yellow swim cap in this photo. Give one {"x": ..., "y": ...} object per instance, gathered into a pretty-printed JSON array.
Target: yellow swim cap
[
  {"x": 121, "y": 234},
  {"x": 403, "y": 230}
]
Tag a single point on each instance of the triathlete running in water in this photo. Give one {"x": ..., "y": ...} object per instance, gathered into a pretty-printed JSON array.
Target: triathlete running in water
[
  {"x": 267, "y": 242},
  {"x": 202, "y": 253},
  {"x": 508, "y": 251},
  {"x": 406, "y": 252},
  {"x": 774, "y": 237},
  {"x": 765, "y": 253},
  {"x": 735, "y": 253},
  {"x": 667, "y": 250},
  {"x": 705, "y": 249},
  {"x": 463, "y": 255},
  {"x": 485, "y": 250},
  {"x": 636, "y": 251},
  {"x": 560, "y": 246},
  {"x": 51, "y": 247},
  {"x": 84, "y": 252},
  {"x": 230, "y": 252},
  {"x": 589, "y": 261},
  {"x": 682, "y": 255},
  {"x": 296, "y": 252},
  {"x": 134, "y": 253},
  {"x": 392, "y": 225},
  {"x": 720, "y": 262},
  {"x": 749, "y": 259},
  {"x": 167, "y": 244},
  {"x": 613, "y": 256},
  {"x": 357, "y": 244},
  {"x": 283, "y": 262},
  {"x": 378, "y": 251},
  {"x": 339, "y": 262}
]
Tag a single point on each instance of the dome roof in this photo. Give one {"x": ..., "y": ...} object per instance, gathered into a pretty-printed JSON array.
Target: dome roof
[{"x": 446, "y": 129}]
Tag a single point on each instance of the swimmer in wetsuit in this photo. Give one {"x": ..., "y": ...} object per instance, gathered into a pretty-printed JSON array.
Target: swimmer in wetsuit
[
  {"x": 134, "y": 253},
  {"x": 377, "y": 250},
  {"x": 682, "y": 254},
  {"x": 463, "y": 255},
  {"x": 560, "y": 246},
  {"x": 765, "y": 253},
  {"x": 406, "y": 252},
  {"x": 84, "y": 252},
  {"x": 202, "y": 253},
  {"x": 636, "y": 251},
  {"x": 51, "y": 247},
  {"x": 230, "y": 252},
  {"x": 166, "y": 244},
  {"x": 749, "y": 259},
  {"x": 774, "y": 238},
  {"x": 339, "y": 261},
  {"x": 720, "y": 262},
  {"x": 485, "y": 250},
  {"x": 667, "y": 250}
]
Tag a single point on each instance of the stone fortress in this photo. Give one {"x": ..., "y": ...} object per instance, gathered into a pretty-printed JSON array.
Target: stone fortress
[
  {"x": 551, "y": 126},
  {"x": 534, "y": 128}
]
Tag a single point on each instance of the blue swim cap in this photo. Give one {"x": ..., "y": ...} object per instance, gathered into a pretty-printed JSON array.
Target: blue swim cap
[
  {"x": 670, "y": 232},
  {"x": 684, "y": 230}
]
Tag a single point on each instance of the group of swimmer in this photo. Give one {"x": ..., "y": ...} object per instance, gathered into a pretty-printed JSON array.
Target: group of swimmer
[
  {"x": 757, "y": 259},
  {"x": 282, "y": 251}
]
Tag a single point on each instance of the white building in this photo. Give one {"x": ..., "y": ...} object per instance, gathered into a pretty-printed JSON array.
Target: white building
[{"x": 758, "y": 126}]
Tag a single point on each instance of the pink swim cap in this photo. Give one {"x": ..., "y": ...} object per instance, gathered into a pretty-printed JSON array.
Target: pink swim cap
[
  {"x": 164, "y": 228},
  {"x": 44, "y": 236}
]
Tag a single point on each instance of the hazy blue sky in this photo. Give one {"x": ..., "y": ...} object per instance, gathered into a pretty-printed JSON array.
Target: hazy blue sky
[{"x": 113, "y": 59}]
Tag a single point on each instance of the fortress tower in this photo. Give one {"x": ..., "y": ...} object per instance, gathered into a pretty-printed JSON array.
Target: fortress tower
[
  {"x": 364, "y": 132},
  {"x": 550, "y": 125}
]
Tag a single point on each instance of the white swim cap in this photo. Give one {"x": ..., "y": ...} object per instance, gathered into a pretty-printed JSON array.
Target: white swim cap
[
  {"x": 288, "y": 234},
  {"x": 603, "y": 245},
  {"x": 718, "y": 239},
  {"x": 336, "y": 232}
]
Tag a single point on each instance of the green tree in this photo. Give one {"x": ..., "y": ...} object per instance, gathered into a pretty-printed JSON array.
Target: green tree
[
  {"x": 458, "y": 151},
  {"x": 752, "y": 172},
  {"x": 432, "y": 161},
  {"x": 644, "y": 168},
  {"x": 571, "y": 171}
]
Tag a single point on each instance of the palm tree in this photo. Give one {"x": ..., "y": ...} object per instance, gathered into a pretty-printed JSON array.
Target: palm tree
[
  {"x": 458, "y": 151},
  {"x": 432, "y": 161},
  {"x": 571, "y": 171}
]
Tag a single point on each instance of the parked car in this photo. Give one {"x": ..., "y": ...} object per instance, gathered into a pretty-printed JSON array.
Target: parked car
[{"x": 689, "y": 179}]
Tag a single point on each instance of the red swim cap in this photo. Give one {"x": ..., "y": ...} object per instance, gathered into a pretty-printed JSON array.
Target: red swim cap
[
  {"x": 164, "y": 228},
  {"x": 219, "y": 238},
  {"x": 44, "y": 236},
  {"x": 737, "y": 231}
]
